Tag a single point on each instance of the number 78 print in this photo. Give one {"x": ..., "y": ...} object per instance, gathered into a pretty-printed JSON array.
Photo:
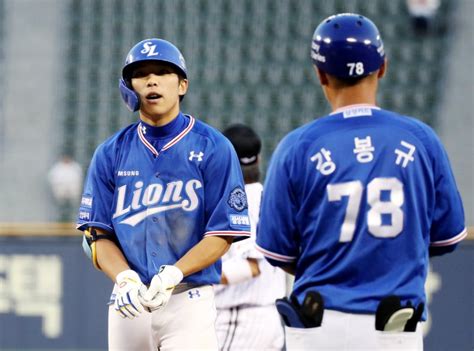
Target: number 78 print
[{"x": 353, "y": 190}]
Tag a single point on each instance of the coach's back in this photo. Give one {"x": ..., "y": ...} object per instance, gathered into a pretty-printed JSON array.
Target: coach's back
[{"x": 363, "y": 183}]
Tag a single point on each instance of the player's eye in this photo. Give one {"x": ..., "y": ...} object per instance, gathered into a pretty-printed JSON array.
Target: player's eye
[
  {"x": 139, "y": 73},
  {"x": 163, "y": 71}
]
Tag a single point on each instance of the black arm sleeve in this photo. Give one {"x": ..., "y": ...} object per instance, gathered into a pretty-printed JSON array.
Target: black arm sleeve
[{"x": 441, "y": 250}]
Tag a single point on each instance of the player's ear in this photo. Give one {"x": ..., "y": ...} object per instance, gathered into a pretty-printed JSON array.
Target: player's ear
[
  {"x": 382, "y": 69},
  {"x": 183, "y": 86},
  {"x": 323, "y": 78}
]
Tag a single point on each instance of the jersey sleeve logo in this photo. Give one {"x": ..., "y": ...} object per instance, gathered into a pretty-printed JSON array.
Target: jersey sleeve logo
[
  {"x": 86, "y": 201},
  {"x": 237, "y": 199}
]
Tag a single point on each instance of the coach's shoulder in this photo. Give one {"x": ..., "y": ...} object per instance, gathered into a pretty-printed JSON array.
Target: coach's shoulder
[
  {"x": 307, "y": 132},
  {"x": 416, "y": 126}
]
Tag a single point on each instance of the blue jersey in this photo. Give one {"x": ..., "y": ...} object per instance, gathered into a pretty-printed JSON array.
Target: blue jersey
[
  {"x": 162, "y": 190},
  {"x": 354, "y": 200}
]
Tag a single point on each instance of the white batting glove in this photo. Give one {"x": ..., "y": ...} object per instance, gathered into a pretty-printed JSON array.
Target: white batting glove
[
  {"x": 126, "y": 298},
  {"x": 161, "y": 288}
]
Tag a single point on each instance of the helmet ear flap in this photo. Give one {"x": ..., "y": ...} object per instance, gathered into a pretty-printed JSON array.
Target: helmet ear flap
[{"x": 130, "y": 97}]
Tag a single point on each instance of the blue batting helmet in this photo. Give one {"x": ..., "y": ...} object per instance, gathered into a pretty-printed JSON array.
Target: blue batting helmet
[
  {"x": 148, "y": 50},
  {"x": 347, "y": 45}
]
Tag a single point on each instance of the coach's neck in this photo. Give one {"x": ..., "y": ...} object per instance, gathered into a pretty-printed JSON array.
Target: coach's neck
[{"x": 340, "y": 94}]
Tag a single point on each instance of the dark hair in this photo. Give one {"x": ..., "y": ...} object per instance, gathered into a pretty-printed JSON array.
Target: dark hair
[
  {"x": 347, "y": 82},
  {"x": 246, "y": 143}
]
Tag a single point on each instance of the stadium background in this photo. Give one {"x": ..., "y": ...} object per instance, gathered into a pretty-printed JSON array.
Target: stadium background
[{"x": 248, "y": 61}]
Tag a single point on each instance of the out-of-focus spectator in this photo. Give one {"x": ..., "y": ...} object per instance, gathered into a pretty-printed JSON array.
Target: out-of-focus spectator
[
  {"x": 65, "y": 179},
  {"x": 423, "y": 14}
]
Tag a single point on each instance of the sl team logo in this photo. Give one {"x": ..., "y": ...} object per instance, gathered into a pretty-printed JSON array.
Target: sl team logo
[
  {"x": 237, "y": 199},
  {"x": 149, "y": 49}
]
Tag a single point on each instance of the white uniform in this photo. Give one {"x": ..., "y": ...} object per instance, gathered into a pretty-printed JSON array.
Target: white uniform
[{"x": 246, "y": 315}]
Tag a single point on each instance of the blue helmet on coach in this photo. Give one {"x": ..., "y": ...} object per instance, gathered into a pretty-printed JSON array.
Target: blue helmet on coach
[
  {"x": 347, "y": 45},
  {"x": 148, "y": 50}
]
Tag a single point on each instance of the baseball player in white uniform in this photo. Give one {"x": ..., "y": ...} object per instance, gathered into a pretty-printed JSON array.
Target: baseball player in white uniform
[{"x": 247, "y": 318}]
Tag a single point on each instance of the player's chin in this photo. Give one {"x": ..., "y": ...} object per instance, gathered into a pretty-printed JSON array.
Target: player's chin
[
  {"x": 155, "y": 109},
  {"x": 154, "y": 104}
]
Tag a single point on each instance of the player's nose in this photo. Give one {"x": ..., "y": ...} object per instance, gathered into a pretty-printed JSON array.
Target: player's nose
[{"x": 152, "y": 80}]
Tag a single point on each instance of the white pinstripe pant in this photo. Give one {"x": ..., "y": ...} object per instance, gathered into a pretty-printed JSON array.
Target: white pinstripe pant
[{"x": 249, "y": 328}]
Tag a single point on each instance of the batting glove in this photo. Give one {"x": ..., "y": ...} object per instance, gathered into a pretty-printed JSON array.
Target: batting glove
[
  {"x": 161, "y": 288},
  {"x": 126, "y": 298}
]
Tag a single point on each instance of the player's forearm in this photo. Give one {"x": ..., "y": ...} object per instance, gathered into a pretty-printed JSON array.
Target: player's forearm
[
  {"x": 205, "y": 253},
  {"x": 110, "y": 259},
  {"x": 254, "y": 268}
]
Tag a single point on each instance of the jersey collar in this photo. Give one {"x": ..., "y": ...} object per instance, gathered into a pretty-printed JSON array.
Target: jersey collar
[
  {"x": 176, "y": 139},
  {"x": 354, "y": 106}
]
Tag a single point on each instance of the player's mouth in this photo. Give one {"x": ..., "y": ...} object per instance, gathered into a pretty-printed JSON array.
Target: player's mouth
[{"x": 153, "y": 97}]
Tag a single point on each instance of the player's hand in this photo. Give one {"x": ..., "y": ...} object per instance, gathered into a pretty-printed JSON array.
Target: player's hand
[
  {"x": 161, "y": 288},
  {"x": 129, "y": 286}
]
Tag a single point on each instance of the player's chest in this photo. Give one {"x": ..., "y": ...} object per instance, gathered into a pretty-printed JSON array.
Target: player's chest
[
  {"x": 159, "y": 184},
  {"x": 179, "y": 162},
  {"x": 147, "y": 177}
]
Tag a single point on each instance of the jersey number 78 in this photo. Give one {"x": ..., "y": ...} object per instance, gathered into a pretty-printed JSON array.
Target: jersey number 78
[{"x": 354, "y": 189}]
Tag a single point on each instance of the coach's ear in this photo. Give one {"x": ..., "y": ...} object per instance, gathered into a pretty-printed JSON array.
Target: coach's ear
[
  {"x": 382, "y": 69},
  {"x": 323, "y": 78}
]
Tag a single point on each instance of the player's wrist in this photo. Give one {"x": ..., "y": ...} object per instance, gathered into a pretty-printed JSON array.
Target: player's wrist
[
  {"x": 161, "y": 287},
  {"x": 127, "y": 301},
  {"x": 174, "y": 274},
  {"x": 129, "y": 275}
]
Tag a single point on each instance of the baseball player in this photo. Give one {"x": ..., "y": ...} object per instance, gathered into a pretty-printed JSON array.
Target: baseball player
[
  {"x": 163, "y": 200},
  {"x": 354, "y": 204},
  {"x": 246, "y": 315}
]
